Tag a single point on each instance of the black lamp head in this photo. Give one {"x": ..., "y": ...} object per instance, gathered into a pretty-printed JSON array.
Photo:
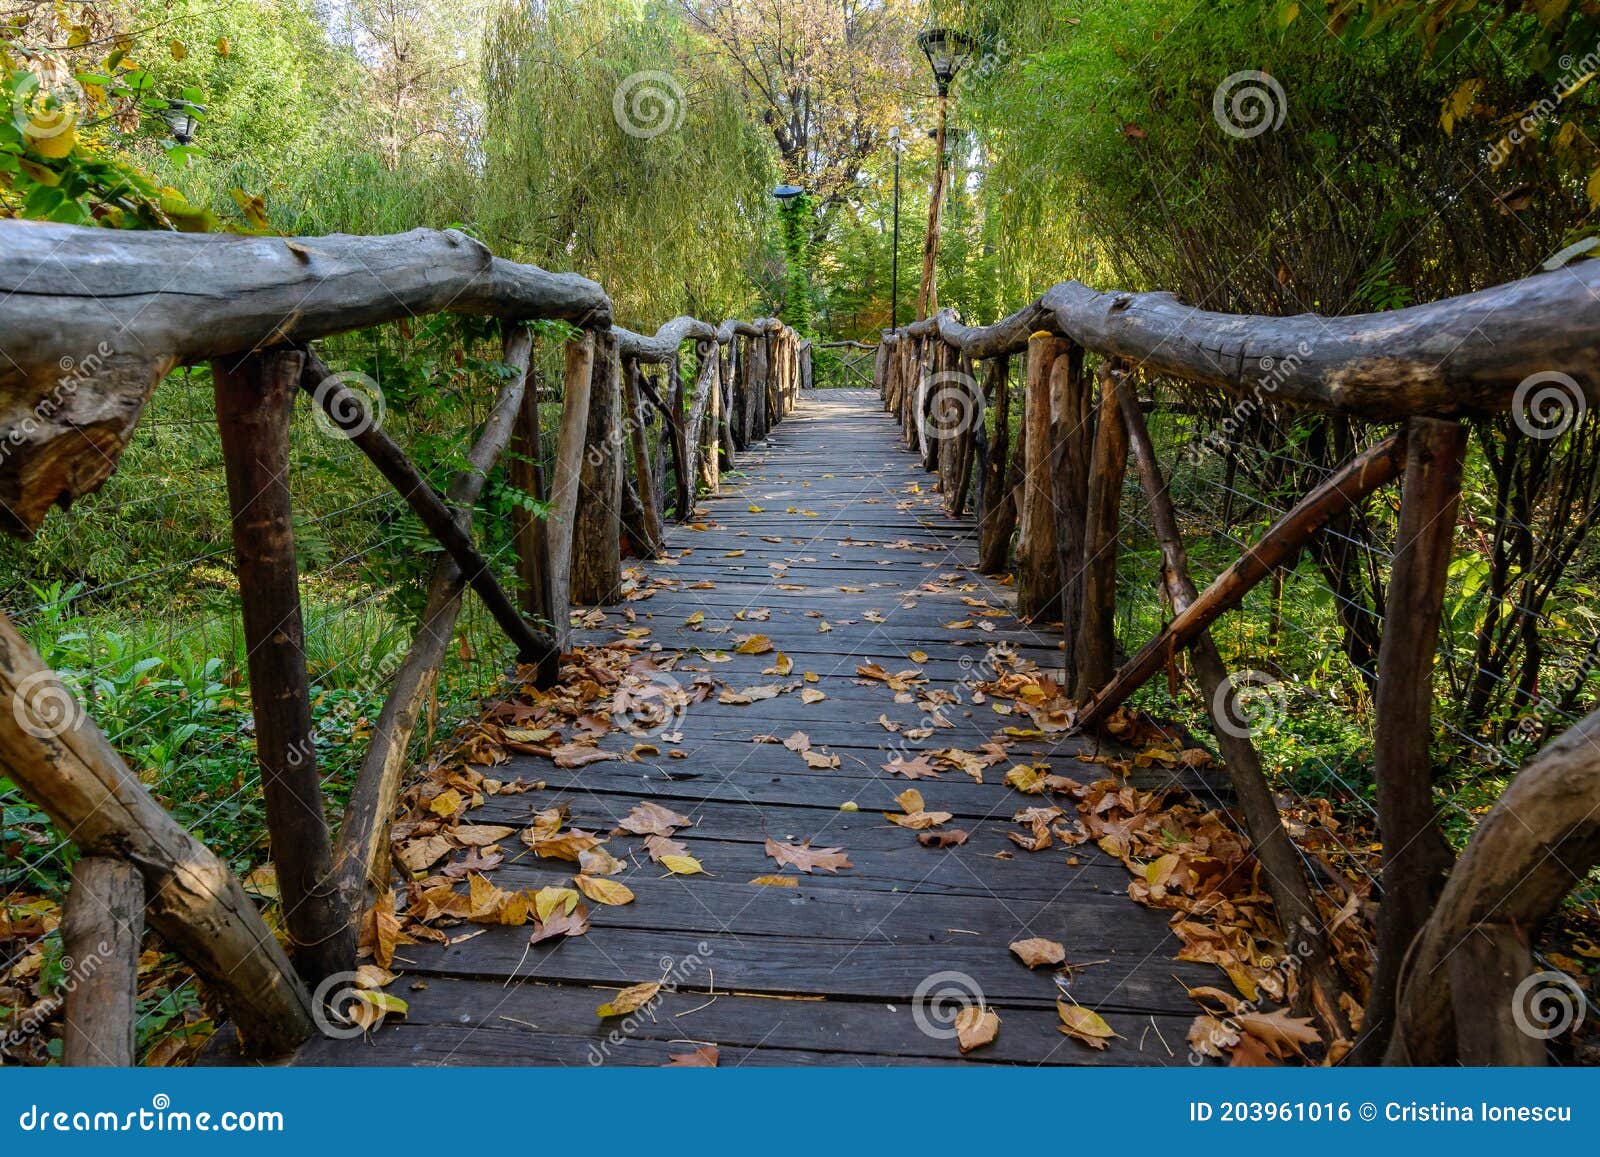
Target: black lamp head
[{"x": 947, "y": 51}]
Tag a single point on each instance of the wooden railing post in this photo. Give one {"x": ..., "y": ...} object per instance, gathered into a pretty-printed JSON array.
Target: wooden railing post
[
  {"x": 682, "y": 484},
  {"x": 596, "y": 537},
  {"x": 1001, "y": 476},
  {"x": 711, "y": 434},
  {"x": 101, "y": 934},
  {"x": 1416, "y": 858},
  {"x": 1072, "y": 435},
  {"x": 1038, "y": 563},
  {"x": 1097, "y": 612},
  {"x": 644, "y": 476},
  {"x": 254, "y": 401},
  {"x": 577, "y": 386},
  {"x": 526, "y": 472}
]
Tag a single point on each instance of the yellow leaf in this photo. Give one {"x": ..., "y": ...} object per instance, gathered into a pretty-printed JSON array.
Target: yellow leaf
[
  {"x": 755, "y": 645},
  {"x": 57, "y": 146},
  {"x": 777, "y": 881},
  {"x": 224, "y": 48},
  {"x": 629, "y": 1000},
  {"x": 811, "y": 695},
  {"x": 681, "y": 865},
  {"x": 446, "y": 803},
  {"x": 754, "y": 509},
  {"x": 547, "y": 900},
  {"x": 179, "y": 52},
  {"x": 1593, "y": 188},
  {"x": 604, "y": 891},
  {"x": 1085, "y": 1025}
]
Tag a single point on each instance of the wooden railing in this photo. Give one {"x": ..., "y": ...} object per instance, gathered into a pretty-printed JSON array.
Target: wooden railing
[
  {"x": 92, "y": 320},
  {"x": 1059, "y": 492}
]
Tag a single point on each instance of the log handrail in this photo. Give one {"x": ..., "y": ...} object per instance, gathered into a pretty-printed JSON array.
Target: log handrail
[
  {"x": 1431, "y": 365},
  {"x": 1456, "y": 357},
  {"x": 74, "y": 382}
]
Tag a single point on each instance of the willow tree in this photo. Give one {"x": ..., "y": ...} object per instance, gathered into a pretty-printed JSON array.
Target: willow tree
[{"x": 614, "y": 148}]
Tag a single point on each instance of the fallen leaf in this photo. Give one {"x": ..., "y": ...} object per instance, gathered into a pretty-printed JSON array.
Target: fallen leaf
[
  {"x": 651, "y": 819},
  {"x": 976, "y": 1026},
  {"x": 704, "y": 1057},
  {"x": 807, "y": 858},
  {"x": 777, "y": 881},
  {"x": 1038, "y": 951},
  {"x": 953, "y": 838},
  {"x": 603, "y": 891},
  {"x": 1085, "y": 1025},
  {"x": 630, "y": 999},
  {"x": 681, "y": 865}
]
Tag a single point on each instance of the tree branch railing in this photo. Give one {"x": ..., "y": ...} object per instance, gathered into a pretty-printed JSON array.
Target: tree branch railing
[
  {"x": 92, "y": 320},
  {"x": 1057, "y": 493}
]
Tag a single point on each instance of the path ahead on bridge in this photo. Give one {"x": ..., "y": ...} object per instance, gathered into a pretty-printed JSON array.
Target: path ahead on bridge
[{"x": 831, "y": 522}]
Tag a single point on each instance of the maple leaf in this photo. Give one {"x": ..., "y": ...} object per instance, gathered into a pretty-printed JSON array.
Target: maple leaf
[
  {"x": 918, "y": 768},
  {"x": 807, "y": 858},
  {"x": 704, "y": 1057},
  {"x": 1280, "y": 1034},
  {"x": 651, "y": 819},
  {"x": 1085, "y": 1025},
  {"x": 952, "y": 838},
  {"x": 1039, "y": 951},
  {"x": 976, "y": 1026},
  {"x": 659, "y": 846}
]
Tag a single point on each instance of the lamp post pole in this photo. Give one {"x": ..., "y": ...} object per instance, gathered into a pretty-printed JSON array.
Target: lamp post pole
[
  {"x": 894, "y": 258},
  {"x": 946, "y": 51},
  {"x": 928, "y": 291}
]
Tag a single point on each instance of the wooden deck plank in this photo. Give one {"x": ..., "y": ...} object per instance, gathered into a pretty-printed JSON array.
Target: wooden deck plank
[{"x": 826, "y": 972}]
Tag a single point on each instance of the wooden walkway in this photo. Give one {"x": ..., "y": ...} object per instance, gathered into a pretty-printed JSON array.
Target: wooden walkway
[{"x": 830, "y": 521}]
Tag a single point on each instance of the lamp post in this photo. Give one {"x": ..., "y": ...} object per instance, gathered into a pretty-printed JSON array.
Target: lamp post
[
  {"x": 894, "y": 257},
  {"x": 789, "y": 196},
  {"x": 946, "y": 51}
]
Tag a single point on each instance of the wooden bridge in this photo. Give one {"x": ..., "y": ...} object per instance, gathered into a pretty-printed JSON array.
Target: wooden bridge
[{"x": 798, "y": 784}]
